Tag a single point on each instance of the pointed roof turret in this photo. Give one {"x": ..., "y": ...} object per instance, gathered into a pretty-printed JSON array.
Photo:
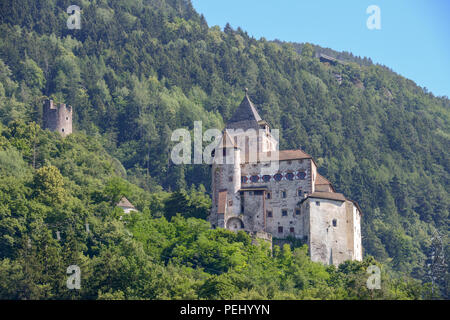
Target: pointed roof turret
[{"x": 246, "y": 111}]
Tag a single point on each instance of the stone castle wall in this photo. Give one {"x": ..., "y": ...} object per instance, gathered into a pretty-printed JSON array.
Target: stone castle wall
[
  {"x": 278, "y": 196},
  {"x": 284, "y": 196}
]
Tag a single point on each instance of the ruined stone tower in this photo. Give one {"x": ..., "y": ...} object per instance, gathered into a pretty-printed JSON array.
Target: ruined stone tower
[{"x": 57, "y": 117}]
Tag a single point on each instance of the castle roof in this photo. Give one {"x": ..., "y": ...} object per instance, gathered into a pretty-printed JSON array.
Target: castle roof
[
  {"x": 321, "y": 180},
  {"x": 124, "y": 203},
  {"x": 332, "y": 196},
  {"x": 282, "y": 155},
  {"x": 245, "y": 112},
  {"x": 293, "y": 155},
  {"x": 327, "y": 195}
]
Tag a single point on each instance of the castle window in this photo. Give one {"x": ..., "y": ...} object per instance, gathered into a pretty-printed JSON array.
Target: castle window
[
  {"x": 299, "y": 192},
  {"x": 301, "y": 175},
  {"x": 258, "y": 193},
  {"x": 283, "y": 194},
  {"x": 269, "y": 214},
  {"x": 334, "y": 223},
  {"x": 67, "y": 118},
  {"x": 284, "y": 212},
  {"x": 280, "y": 229},
  {"x": 269, "y": 195},
  {"x": 290, "y": 176},
  {"x": 317, "y": 203},
  {"x": 266, "y": 178},
  {"x": 278, "y": 177},
  {"x": 230, "y": 179},
  {"x": 230, "y": 203},
  {"x": 291, "y": 230},
  {"x": 62, "y": 129},
  {"x": 297, "y": 211},
  {"x": 254, "y": 178}
]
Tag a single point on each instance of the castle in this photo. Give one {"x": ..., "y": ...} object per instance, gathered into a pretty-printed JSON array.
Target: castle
[
  {"x": 57, "y": 118},
  {"x": 280, "y": 194}
]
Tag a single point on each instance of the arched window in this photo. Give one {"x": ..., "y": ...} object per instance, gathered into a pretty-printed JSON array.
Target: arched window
[{"x": 334, "y": 223}]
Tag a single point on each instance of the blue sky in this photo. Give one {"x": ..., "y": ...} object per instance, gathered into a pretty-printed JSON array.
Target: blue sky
[{"x": 414, "y": 39}]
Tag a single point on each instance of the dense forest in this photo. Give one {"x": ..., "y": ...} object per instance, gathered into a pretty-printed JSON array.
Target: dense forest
[{"x": 136, "y": 71}]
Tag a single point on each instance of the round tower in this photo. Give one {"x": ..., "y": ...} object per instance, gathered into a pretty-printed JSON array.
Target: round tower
[{"x": 57, "y": 118}]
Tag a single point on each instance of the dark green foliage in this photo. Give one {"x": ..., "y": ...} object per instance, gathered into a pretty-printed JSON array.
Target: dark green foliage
[{"x": 195, "y": 205}]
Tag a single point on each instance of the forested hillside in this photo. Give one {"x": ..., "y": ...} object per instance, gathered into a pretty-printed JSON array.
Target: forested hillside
[{"x": 135, "y": 71}]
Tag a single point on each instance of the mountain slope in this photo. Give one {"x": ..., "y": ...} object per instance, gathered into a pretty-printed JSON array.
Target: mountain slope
[{"x": 139, "y": 69}]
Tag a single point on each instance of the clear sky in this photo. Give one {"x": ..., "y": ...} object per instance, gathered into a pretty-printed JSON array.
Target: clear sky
[{"x": 414, "y": 39}]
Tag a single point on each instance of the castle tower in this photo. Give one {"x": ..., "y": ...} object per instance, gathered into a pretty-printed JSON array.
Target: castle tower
[
  {"x": 226, "y": 181},
  {"x": 57, "y": 118},
  {"x": 249, "y": 132}
]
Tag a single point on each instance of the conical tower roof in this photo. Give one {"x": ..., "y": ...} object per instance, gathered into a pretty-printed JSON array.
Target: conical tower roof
[{"x": 246, "y": 111}]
